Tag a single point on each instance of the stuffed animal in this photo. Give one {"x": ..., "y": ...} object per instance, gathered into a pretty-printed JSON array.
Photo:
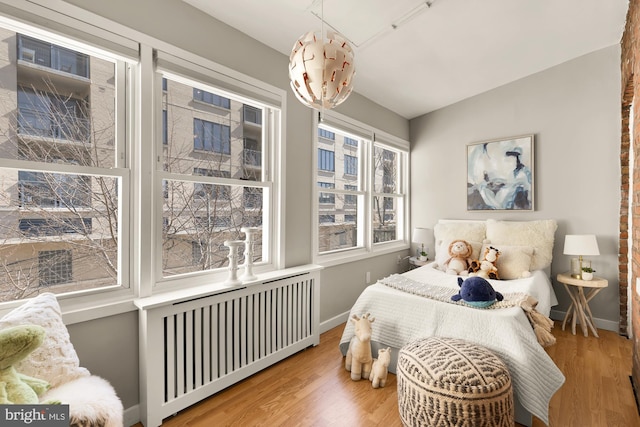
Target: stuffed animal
[
  {"x": 358, "y": 359},
  {"x": 380, "y": 368},
  {"x": 476, "y": 292},
  {"x": 459, "y": 258},
  {"x": 486, "y": 268},
  {"x": 16, "y": 343}
]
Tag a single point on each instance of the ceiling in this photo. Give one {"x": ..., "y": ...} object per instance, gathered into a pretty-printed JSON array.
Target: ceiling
[{"x": 414, "y": 56}]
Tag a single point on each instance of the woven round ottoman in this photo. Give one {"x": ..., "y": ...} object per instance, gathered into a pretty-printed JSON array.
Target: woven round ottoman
[{"x": 452, "y": 382}]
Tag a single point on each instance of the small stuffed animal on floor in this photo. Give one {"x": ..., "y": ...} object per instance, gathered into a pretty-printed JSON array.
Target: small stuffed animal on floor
[
  {"x": 476, "y": 292},
  {"x": 460, "y": 252},
  {"x": 380, "y": 368},
  {"x": 358, "y": 359},
  {"x": 16, "y": 343}
]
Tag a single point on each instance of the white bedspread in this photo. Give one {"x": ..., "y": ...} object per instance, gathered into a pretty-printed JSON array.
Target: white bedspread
[{"x": 401, "y": 317}]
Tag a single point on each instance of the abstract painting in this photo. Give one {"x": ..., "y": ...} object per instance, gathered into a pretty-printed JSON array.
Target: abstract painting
[{"x": 500, "y": 174}]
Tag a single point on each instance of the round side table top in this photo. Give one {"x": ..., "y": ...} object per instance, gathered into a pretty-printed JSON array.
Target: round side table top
[{"x": 596, "y": 282}]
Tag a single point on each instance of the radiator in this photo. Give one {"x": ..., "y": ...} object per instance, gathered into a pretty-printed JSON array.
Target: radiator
[{"x": 192, "y": 346}]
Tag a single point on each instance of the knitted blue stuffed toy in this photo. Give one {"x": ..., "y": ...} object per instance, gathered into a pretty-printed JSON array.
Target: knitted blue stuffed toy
[{"x": 476, "y": 292}]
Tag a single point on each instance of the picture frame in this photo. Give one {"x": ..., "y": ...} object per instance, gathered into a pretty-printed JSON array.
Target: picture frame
[{"x": 500, "y": 174}]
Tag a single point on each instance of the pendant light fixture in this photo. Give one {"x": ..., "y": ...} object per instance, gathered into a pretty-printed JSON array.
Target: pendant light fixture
[{"x": 321, "y": 71}]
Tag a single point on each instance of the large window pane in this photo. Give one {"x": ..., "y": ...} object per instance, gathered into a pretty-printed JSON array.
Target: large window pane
[
  {"x": 338, "y": 229},
  {"x": 58, "y": 230},
  {"x": 386, "y": 170},
  {"x": 49, "y": 116},
  {"x": 384, "y": 219},
  {"x": 225, "y": 147},
  {"x": 346, "y": 179},
  {"x": 58, "y": 233},
  {"x": 217, "y": 139},
  {"x": 196, "y": 224}
]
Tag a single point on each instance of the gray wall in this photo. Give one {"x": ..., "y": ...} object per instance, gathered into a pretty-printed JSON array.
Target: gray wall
[
  {"x": 108, "y": 347},
  {"x": 574, "y": 111}
]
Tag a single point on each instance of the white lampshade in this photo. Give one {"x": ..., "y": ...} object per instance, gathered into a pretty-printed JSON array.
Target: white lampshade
[
  {"x": 420, "y": 235},
  {"x": 581, "y": 244}
]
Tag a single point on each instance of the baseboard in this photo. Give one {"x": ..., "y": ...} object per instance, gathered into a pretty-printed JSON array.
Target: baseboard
[
  {"x": 132, "y": 415},
  {"x": 333, "y": 322},
  {"x": 608, "y": 325}
]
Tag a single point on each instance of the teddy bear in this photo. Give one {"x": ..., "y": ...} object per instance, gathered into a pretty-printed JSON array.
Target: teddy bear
[
  {"x": 16, "y": 343},
  {"x": 459, "y": 258},
  {"x": 476, "y": 292},
  {"x": 486, "y": 268},
  {"x": 380, "y": 368}
]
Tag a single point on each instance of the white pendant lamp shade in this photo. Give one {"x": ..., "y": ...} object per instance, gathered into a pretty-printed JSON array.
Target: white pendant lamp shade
[{"x": 321, "y": 72}]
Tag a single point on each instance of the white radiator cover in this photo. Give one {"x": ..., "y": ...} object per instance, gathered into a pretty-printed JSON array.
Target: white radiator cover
[{"x": 193, "y": 345}]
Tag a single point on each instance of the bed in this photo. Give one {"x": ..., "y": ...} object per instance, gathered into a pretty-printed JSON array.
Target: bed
[{"x": 402, "y": 316}]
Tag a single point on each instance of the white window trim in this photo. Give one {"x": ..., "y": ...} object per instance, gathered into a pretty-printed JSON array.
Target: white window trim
[
  {"x": 270, "y": 99},
  {"x": 369, "y": 249}
]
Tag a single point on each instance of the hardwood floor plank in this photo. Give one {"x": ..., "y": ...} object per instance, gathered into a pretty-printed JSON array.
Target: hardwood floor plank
[{"x": 312, "y": 388}]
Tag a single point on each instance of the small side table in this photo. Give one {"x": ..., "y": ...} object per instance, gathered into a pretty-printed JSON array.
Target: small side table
[
  {"x": 579, "y": 309},
  {"x": 414, "y": 262}
]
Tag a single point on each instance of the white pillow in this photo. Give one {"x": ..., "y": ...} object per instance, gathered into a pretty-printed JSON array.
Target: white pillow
[
  {"x": 513, "y": 260},
  {"x": 55, "y": 360},
  {"x": 469, "y": 231},
  {"x": 442, "y": 254},
  {"x": 537, "y": 234}
]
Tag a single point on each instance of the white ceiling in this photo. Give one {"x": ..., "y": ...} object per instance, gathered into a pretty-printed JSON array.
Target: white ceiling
[{"x": 441, "y": 51}]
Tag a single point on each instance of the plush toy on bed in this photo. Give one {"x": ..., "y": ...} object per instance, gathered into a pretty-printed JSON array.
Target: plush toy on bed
[
  {"x": 476, "y": 292},
  {"x": 459, "y": 258},
  {"x": 486, "y": 268}
]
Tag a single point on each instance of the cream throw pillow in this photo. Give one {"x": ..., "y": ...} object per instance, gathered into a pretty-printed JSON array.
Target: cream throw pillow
[
  {"x": 513, "y": 260},
  {"x": 448, "y": 231},
  {"x": 55, "y": 360},
  {"x": 537, "y": 234}
]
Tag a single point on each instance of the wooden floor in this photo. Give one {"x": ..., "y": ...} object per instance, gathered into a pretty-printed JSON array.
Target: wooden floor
[{"x": 312, "y": 388}]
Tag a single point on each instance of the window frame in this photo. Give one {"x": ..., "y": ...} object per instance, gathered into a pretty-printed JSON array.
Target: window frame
[
  {"x": 372, "y": 137},
  {"x": 70, "y": 26},
  {"x": 183, "y": 71},
  {"x": 46, "y": 24}
]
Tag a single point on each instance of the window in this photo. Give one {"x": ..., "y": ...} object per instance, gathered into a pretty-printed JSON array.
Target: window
[
  {"x": 252, "y": 115},
  {"x": 204, "y": 165},
  {"x": 211, "y": 136},
  {"x": 350, "y": 141},
  {"x": 211, "y": 98},
  {"x": 48, "y": 55},
  {"x": 54, "y": 267},
  {"x": 363, "y": 210},
  {"x": 327, "y": 198},
  {"x": 350, "y": 165},
  {"x": 326, "y": 134},
  {"x": 350, "y": 200},
  {"x": 326, "y": 160},
  {"x": 386, "y": 182},
  {"x": 45, "y": 114},
  {"x": 165, "y": 128},
  {"x": 64, "y": 161},
  {"x": 220, "y": 187}
]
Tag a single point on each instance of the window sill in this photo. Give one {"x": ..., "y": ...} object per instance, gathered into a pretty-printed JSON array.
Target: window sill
[
  {"x": 353, "y": 255},
  {"x": 87, "y": 307}
]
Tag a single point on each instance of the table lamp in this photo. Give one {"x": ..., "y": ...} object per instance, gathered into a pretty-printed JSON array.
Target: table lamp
[
  {"x": 580, "y": 244},
  {"x": 421, "y": 235}
]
